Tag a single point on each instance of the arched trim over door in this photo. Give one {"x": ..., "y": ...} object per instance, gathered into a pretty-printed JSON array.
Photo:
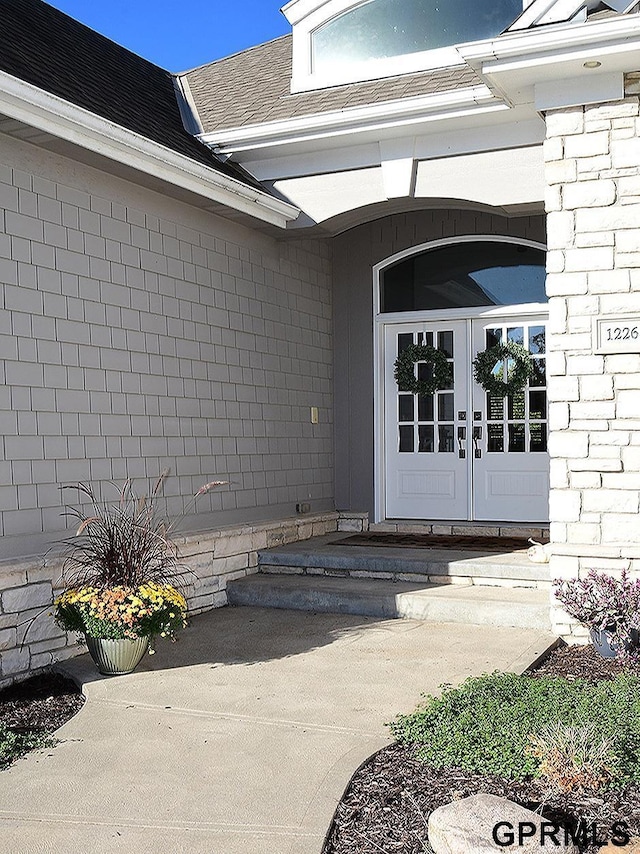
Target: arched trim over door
[{"x": 459, "y": 454}]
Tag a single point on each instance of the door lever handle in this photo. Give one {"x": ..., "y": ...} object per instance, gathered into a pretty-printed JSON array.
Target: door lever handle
[
  {"x": 462, "y": 436},
  {"x": 477, "y": 436}
]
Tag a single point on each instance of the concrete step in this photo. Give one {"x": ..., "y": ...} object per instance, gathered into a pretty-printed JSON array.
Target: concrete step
[
  {"x": 325, "y": 556},
  {"x": 469, "y": 604}
]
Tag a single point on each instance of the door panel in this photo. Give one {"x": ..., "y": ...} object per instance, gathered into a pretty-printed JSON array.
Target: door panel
[
  {"x": 510, "y": 458},
  {"x": 427, "y": 473}
]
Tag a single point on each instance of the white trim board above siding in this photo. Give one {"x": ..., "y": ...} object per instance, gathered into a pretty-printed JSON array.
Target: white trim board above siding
[{"x": 39, "y": 109}]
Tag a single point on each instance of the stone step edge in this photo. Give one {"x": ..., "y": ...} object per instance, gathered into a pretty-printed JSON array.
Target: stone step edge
[
  {"x": 375, "y": 586},
  {"x": 490, "y": 529},
  {"x": 317, "y": 563},
  {"x": 453, "y": 580},
  {"x": 392, "y": 601}
]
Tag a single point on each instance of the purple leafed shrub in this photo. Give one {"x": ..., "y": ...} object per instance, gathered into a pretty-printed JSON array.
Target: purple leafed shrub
[{"x": 604, "y": 602}]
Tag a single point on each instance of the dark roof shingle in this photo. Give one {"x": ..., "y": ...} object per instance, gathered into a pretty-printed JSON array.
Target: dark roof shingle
[
  {"x": 50, "y": 50},
  {"x": 253, "y": 87}
]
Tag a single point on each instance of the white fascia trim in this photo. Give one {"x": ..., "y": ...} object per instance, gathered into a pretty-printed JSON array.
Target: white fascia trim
[
  {"x": 538, "y": 9},
  {"x": 357, "y": 120},
  {"x": 296, "y": 10},
  {"x": 555, "y": 40},
  {"x": 541, "y": 12},
  {"x": 35, "y": 107}
]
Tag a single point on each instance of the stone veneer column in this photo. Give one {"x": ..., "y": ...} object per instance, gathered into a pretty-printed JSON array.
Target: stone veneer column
[{"x": 592, "y": 157}]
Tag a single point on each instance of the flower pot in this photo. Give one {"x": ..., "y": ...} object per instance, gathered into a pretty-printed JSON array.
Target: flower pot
[
  {"x": 116, "y": 657},
  {"x": 601, "y": 640}
]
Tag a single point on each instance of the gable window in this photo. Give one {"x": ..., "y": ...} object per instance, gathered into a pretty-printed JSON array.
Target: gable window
[
  {"x": 345, "y": 41},
  {"x": 379, "y": 29}
]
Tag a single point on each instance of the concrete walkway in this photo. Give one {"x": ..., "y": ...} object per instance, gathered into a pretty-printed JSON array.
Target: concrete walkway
[{"x": 241, "y": 738}]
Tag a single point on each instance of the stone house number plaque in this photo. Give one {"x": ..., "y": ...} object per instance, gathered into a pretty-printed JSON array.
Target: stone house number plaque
[{"x": 617, "y": 334}]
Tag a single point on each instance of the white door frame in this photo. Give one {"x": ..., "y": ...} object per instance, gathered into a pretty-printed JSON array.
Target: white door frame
[{"x": 382, "y": 320}]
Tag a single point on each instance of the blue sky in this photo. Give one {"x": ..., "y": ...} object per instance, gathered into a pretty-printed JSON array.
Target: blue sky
[{"x": 180, "y": 35}]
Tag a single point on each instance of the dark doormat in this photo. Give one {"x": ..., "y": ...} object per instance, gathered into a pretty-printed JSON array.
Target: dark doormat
[{"x": 436, "y": 541}]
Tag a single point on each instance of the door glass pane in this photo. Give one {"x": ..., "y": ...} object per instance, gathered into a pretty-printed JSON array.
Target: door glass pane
[
  {"x": 406, "y": 439},
  {"x": 537, "y": 342},
  {"x": 538, "y": 437},
  {"x": 405, "y": 407},
  {"x": 425, "y": 407},
  {"x": 516, "y": 438},
  {"x": 495, "y": 407},
  {"x": 405, "y": 339},
  {"x": 449, "y": 384},
  {"x": 425, "y": 338},
  {"x": 516, "y": 406},
  {"x": 425, "y": 439},
  {"x": 538, "y": 378},
  {"x": 495, "y": 438},
  {"x": 445, "y": 433},
  {"x": 445, "y": 343},
  {"x": 425, "y": 371},
  {"x": 516, "y": 334},
  {"x": 537, "y": 404},
  {"x": 494, "y": 337},
  {"x": 445, "y": 407}
]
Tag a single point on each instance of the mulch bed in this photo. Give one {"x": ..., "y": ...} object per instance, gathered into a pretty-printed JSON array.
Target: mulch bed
[
  {"x": 40, "y": 704},
  {"x": 389, "y": 800},
  {"x": 436, "y": 541}
]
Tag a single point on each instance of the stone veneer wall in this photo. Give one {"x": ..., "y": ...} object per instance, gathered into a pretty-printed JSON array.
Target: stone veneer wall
[
  {"x": 30, "y": 640},
  {"x": 592, "y": 159}
]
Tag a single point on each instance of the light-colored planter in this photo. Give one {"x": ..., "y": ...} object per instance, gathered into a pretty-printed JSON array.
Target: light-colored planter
[{"x": 116, "y": 657}]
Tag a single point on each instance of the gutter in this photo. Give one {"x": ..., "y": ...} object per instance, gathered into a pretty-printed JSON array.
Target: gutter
[
  {"x": 39, "y": 109},
  {"x": 406, "y": 111},
  {"x": 556, "y": 41}
]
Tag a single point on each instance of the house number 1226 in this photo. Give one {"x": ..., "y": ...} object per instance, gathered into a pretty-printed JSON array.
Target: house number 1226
[
  {"x": 617, "y": 334},
  {"x": 621, "y": 333}
]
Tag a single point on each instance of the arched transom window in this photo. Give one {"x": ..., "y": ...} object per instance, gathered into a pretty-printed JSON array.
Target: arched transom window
[
  {"x": 465, "y": 274},
  {"x": 379, "y": 29}
]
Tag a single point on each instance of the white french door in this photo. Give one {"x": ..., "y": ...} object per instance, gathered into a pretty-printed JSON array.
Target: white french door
[
  {"x": 427, "y": 473},
  {"x": 461, "y": 453},
  {"x": 510, "y": 457}
]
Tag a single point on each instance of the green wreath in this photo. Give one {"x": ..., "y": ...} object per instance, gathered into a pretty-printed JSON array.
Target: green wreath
[
  {"x": 405, "y": 374},
  {"x": 485, "y": 362}
]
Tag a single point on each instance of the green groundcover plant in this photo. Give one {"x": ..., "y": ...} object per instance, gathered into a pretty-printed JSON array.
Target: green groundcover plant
[
  {"x": 486, "y": 724},
  {"x": 13, "y": 745}
]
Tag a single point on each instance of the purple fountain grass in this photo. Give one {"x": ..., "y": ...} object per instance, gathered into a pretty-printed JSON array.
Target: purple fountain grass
[{"x": 125, "y": 542}]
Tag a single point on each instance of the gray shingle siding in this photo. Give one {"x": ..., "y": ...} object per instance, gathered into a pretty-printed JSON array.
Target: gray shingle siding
[{"x": 137, "y": 332}]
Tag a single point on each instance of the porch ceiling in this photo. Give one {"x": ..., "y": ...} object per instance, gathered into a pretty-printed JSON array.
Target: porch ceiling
[{"x": 510, "y": 183}]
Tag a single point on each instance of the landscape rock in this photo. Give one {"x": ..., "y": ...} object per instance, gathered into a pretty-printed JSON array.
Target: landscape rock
[
  {"x": 632, "y": 847},
  {"x": 486, "y": 823}
]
